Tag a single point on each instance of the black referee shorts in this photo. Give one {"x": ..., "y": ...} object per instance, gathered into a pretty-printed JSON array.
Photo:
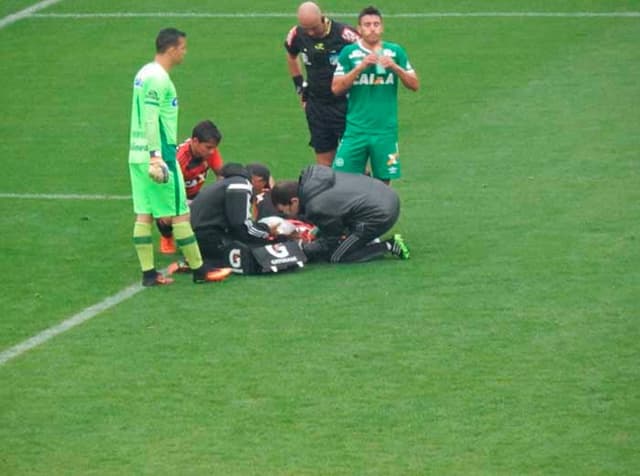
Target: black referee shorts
[{"x": 326, "y": 121}]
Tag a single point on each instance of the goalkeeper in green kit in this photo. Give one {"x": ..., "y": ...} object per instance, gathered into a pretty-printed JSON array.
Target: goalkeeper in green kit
[
  {"x": 369, "y": 71},
  {"x": 156, "y": 181}
]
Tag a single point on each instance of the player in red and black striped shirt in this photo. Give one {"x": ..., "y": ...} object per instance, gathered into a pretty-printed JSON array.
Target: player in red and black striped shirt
[{"x": 196, "y": 156}]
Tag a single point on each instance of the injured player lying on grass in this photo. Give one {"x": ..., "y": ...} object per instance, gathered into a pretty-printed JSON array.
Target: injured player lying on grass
[{"x": 282, "y": 252}]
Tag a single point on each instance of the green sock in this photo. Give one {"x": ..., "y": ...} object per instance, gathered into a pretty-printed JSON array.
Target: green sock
[
  {"x": 143, "y": 245},
  {"x": 187, "y": 242}
]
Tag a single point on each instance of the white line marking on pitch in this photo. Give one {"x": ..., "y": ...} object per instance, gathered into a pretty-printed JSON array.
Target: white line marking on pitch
[
  {"x": 63, "y": 196},
  {"x": 14, "y": 17},
  {"x": 292, "y": 15},
  {"x": 88, "y": 313}
]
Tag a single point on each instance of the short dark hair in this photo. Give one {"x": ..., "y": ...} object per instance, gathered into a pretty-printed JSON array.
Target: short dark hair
[
  {"x": 207, "y": 131},
  {"x": 283, "y": 192},
  {"x": 370, "y": 10},
  {"x": 167, "y": 38},
  {"x": 259, "y": 170}
]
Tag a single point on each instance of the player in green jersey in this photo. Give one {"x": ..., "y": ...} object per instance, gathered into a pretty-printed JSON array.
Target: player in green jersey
[
  {"x": 369, "y": 70},
  {"x": 156, "y": 181}
]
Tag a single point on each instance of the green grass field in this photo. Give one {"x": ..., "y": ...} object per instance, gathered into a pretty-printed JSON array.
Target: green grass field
[{"x": 507, "y": 345}]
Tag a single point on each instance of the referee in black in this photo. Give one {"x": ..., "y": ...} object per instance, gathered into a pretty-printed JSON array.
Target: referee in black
[{"x": 316, "y": 42}]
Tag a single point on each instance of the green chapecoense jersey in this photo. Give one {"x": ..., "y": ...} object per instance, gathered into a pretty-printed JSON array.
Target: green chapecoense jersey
[
  {"x": 154, "y": 115},
  {"x": 373, "y": 97}
]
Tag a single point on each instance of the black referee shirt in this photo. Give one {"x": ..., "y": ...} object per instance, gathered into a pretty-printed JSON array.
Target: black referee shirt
[{"x": 320, "y": 55}]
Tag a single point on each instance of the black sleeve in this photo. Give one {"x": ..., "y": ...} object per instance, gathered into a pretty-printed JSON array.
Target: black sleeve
[
  {"x": 238, "y": 210},
  {"x": 291, "y": 43}
]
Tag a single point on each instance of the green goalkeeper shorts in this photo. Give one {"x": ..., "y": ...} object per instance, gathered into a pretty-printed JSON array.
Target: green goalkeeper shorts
[
  {"x": 381, "y": 150},
  {"x": 159, "y": 200}
]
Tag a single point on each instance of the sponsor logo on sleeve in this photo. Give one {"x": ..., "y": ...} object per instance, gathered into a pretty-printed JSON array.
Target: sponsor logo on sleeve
[
  {"x": 291, "y": 35},
  {"x": 349, "y": 35}
]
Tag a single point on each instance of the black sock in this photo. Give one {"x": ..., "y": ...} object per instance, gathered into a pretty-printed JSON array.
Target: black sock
[{"x": 164, "y": 229}]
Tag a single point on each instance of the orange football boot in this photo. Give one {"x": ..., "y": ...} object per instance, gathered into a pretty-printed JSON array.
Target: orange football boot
[{"x": 167, "y": 245}]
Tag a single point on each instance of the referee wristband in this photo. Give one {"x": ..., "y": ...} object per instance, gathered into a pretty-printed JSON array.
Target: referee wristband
[
  {"x": 298, "y": 83},
  {"x": 155, "y": 153}
]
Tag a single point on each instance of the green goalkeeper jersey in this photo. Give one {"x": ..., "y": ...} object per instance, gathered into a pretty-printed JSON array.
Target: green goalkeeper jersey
[
  {"x": 373, "y": 97},
  {"x": 154, "y": 115}
]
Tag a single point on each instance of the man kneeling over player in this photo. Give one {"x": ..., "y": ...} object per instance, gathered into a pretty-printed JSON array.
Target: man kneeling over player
[
  {"x": 221, "y": 213},
  {"x": 350, "y": 211}
]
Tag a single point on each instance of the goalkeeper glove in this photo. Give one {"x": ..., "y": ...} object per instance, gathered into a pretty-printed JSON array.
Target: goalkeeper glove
[{"x": 158, "y": 170}]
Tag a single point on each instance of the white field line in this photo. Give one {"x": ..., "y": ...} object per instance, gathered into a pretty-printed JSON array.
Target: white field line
[
  {"x": 85, "y": 315},
  {"x": 63, "y": 196},
  {"x": 632, "y": 14},
  {"x": 27, "y": 12}
]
